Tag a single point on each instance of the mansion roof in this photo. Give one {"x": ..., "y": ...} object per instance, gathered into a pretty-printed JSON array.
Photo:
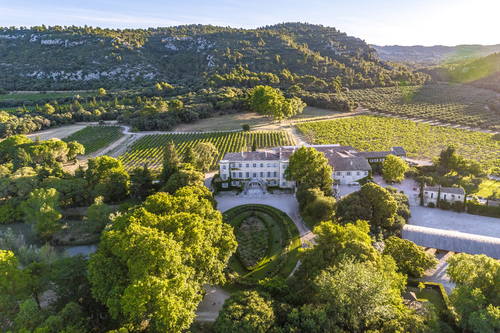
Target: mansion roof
[{"x": 450, "y": 190}]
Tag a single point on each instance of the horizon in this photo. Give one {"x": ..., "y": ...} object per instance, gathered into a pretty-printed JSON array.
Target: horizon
[{"x": 385, "y": 23}]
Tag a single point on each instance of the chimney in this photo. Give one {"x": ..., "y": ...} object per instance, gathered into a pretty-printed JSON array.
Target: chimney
[
  {"x": 266, "y": 153},
  {"x": 242, "y": 153},
  {"x": 351, "y": 162}
]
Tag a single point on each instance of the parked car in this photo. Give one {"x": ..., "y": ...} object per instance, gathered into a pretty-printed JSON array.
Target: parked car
[{"x": 353, "y": 184}]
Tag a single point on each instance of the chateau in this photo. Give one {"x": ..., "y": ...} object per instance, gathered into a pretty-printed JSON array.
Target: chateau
[{"x": 267, "y": 167}]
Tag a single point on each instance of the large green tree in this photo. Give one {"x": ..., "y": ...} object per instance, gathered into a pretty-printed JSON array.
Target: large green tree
[
  {"x": 205, "y": 153},
  {"x": 268, "y": 101},
  {"x": 106, "y": 177},
  {"x": 307, "y": 165},
  {"x": 141, "y": 182},
  {"x": 151, "y": 266},
  {"x": 12, "y": 287},
  {"x": 410, "y": 258},
  {"x": 183, "y": 178},
  {"x": 40, "y": 210},
  {"x": 245, "y": 311},
  {"x": 394, "y": 169}
]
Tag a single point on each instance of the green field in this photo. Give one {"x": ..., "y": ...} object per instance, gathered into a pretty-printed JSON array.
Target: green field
[
  {"x": 458, "y": 104},
  {"x": 149, "y": 149},
  {"x": 421, "y": 141},
  {"x": 94, "y": 138}
]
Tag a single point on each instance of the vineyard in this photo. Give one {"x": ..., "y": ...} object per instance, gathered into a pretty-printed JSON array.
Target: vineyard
[
  {"x": 149, "y": 149},
  {"x": 94, "y": 138},
  {"x": 421, "y": 141},
  {"x": 457, "y": 104}
]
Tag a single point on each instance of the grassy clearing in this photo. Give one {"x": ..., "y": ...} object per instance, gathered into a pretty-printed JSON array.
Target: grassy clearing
[
  {"x": 94, "y": 138},
  {"x": 421, "y": 141},
  {"x": 429, "y": 295},
  {"x": 486, "y": 189}
]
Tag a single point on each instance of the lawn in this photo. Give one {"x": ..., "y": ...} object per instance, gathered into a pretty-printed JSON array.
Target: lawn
[
  {"x": 274, "y": 252},
  {"x": 429, "y": 295},
  {"x": 487, "y": 188},
  {"x": 421, "y": 141}
]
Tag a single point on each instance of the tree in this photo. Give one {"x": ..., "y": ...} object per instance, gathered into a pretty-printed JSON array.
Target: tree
[
  {"x": 189, "y": 156},
  {"x": 98, "y": 215},
  {"x": 359, "y": 297},
  {"x": 354, "y": 206},
  {"x": 171, "y": 162},
  {"x": 446, "y": 156},
  {"x": 394, "y": 168},
  {"x": 268, "y": 101},
  {"x": 106, "y": 177},
  {"x": 176, "y": 105},
  {"x": 141, "y": 182},
  {"x": 410, "y": 258},
  {"x": 205, "y": 152},
  {"x": 40, "y": 210},
  {"x": 334, "y": 243},
  {"x": 310, "y": 166},
  {"x": 151, "y": 266},
  {"x": 184, "y": 178},
  {"x": 101, "y": 92},
  {"x": 384, "y": 207},
  {"x": 75, "y": 149},
  {"x": 12, "y": 286},
  {"x": 254, "y": 145},
  {"x": 22, "y": 159},
  {"x": 245, "y": 311}
]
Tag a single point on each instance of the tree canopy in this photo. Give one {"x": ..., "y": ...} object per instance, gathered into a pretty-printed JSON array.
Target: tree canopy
[
  {"x": 151, "y": 266},
  {"x": 394, "y": 168},
  {"x": 268, "y": 101}
]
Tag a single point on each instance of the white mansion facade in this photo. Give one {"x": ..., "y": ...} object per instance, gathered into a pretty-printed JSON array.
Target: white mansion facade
[{"x": 268, "y": 166}]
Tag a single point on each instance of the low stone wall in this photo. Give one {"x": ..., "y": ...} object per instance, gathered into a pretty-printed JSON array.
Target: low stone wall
[{"x": 452, "y": 240}]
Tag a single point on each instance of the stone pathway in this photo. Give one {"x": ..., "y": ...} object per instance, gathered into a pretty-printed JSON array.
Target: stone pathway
[{"x": 438, "y": 274}]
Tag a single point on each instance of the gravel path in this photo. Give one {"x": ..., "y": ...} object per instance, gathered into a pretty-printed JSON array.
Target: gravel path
[{"x": 438, "y": 274}]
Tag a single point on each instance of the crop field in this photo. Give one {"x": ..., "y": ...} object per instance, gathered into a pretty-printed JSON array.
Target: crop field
[
  {"x": 457, "y": 104},
  {"x": 149, "y": 149},
  {"x": 421, "y": 141},
  {"x": 94, "y": 138}
]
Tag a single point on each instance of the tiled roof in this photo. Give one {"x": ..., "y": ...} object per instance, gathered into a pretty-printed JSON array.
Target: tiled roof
[
  {"x": 375, "y": 154},
  {"x": 399, "y": 150},
  {"x": 450, "y": 190},
  {"x": 349, "y": 164},
  {"x": 252, "y": 156}
]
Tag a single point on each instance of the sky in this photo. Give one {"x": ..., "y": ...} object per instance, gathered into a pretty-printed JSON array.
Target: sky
[{"x": 380, "y": 22}]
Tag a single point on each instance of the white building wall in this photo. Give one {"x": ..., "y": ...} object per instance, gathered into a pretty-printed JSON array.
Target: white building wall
[
  {"x": 346, "y": 177},
  {"x": 270, "y": 171},
  {"x": 431, "y": 196}
]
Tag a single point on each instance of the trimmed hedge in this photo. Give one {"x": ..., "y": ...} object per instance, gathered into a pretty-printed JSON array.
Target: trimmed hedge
[
  {"x": 432, "y": 285},
  {"x": 478, "y": 209},
  {"x": 280, "y": 218}
]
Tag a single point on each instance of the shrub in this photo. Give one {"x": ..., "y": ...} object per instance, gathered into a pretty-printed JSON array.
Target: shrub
[
  {"x": 496, "y": 137},
  {"x": 458, "y": 206},
  {"x": 246, "y": 127},
  {"x": 135, "y": 130},
  {"x": 444, "y": 205},
  {"x": 431, "y": 205}
]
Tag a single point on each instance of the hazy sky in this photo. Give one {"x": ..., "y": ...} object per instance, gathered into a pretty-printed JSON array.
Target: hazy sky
[{"x": 383, "y": 22}]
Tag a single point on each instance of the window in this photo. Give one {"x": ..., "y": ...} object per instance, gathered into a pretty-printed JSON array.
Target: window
[
  {"x": 348, "y": 173},
  {"x": 366, "y": 173},
  {"x": 459, "y": 197},
  {"x": 234, "y": 174},
  {"x": 239, "y": 165},
  {"x": 254, "y": 175},
  {"x": 261, "y": 174},
  {"x": 357, "y": 173},
  {"x": 225, "y": 185},
  {"x": 275, "y": 174},
  {"x": 445, "y": 197},
  {"x": 247, "y": 165},
  {"x": 262, "y": 165},
  {"x": 233, "y": 183},
  {"x": 283, "y": 184},
  {"x": 255, "y": 165},
  {"x": 268, "y": 165},
  {"x": 241, "y": 175},
  {"x": 224, "y": 167},
  {"x": 284, "y": 176},
  {"x": 248, "y": 174},
  {"x": 338, "y": 173},
  {"x": 224, "y": 176},
  {"x": 432, "y": 195},
  {"x": 268, "y": 174},
  {"x": 233, "y": 165}
]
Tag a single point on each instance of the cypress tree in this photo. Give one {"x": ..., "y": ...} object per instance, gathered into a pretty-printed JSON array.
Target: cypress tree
[
  {"x": 254, "y": 145},
  {"x": 171, "y": 162}
]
